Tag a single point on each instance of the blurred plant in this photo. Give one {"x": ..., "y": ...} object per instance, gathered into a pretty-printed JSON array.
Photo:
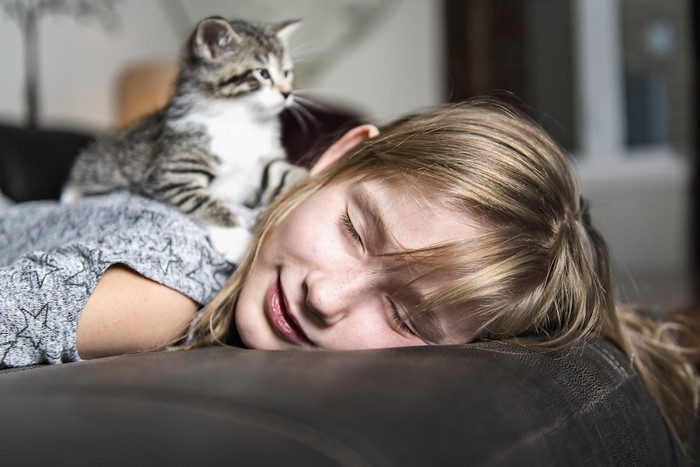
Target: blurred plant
[{"x": 27, "y": 14}]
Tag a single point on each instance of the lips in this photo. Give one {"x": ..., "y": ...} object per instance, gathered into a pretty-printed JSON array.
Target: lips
[{"x": 282, "y": 322}]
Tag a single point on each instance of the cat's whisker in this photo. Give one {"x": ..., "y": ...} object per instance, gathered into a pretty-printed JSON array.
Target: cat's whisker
[
  {"x": 312, "y": 103},
  {"x": 301, "y": 63},
  {"x": 308, "y": 104},
  {"x": 305, "y": 48},
  {"x": 310, "y": 115},
  {"x": 310, "y": 90},
  {"x": 304, "y": 112},
  {"x": 307, "y": 90},
  {"x": 310, "y": 97},
  {"x": 295, "y": 114}
]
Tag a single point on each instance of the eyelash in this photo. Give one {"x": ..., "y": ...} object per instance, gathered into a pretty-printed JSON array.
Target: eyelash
[
  {"x": 398, "y": 320},
  {"x": 347, "y": 222}
]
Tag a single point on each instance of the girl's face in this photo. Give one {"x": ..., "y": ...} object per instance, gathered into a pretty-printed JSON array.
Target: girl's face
[{"x": 320, "y": 280}]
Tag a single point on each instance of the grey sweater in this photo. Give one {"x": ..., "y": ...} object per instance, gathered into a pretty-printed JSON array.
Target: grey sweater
[{"x": 52, "y": 255}]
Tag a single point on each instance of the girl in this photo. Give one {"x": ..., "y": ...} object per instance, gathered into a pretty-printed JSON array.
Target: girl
[{"x": 451, "y": 225}]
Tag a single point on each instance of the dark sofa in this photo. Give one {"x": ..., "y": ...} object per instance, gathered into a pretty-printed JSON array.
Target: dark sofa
[
  {"x": 487, "y": 403},
  {"x": 481, "y": 404}
]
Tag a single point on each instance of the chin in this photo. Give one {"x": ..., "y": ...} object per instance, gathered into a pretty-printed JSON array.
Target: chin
[
  {"x": 253, "y": 338},
  {"x": 271, "y": 107}
]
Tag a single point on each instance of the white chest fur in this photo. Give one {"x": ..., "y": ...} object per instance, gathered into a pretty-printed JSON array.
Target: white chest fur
[{"x": 243, "y": 143}]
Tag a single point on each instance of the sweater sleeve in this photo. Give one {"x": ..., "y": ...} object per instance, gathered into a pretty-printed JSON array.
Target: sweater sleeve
[
  {"x": 55, "y": 255},
  {"x": 42, "y": 295}
]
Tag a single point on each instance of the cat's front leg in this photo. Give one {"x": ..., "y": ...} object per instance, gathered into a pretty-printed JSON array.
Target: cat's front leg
[
  {"x": 215, "y": 212},
  {"x": 278, "y": 177},
  {"x": 204, "y": 208}
]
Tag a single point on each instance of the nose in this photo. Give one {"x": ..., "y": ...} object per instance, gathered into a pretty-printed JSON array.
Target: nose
[
  {"x": 284, "y": 89},
  {"x": 331, "y": 296}
]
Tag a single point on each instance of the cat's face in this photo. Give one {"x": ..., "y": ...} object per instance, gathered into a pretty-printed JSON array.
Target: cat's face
[{"x": 242, "y": 60}]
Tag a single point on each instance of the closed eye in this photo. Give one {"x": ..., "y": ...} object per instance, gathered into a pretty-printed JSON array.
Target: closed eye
[
  {"x": 399, "y": 320},
  {"x": 350, "y": 227}
]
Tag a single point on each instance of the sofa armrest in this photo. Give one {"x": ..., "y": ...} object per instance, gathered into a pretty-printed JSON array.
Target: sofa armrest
[
  {"x": 34, "y": 164},
  {"x": 481, "y": 404}
]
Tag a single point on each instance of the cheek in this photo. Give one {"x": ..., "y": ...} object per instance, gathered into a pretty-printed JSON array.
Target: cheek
[
  {"x": 269, "y": 97},
  {"x": 300, "y": 234},
  {"x": 367, "y": 327}
]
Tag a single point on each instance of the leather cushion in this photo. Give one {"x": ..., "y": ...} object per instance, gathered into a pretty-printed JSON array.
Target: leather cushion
[{"x": 481, "y": 404}]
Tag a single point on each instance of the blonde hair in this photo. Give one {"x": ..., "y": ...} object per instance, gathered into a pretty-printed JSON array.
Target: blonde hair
[{"x": 537, "y": 268}]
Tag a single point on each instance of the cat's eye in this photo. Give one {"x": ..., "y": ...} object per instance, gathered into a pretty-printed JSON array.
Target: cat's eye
[
  {"x": 264, "y": 74},
  {"x": 287, "y": 73}
]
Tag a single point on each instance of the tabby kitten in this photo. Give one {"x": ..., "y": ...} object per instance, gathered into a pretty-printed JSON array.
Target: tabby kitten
[{"x": 216, "y": 145}]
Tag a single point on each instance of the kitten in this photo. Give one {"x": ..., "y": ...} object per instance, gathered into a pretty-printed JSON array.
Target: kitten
[{"x": 216, "y": 145}]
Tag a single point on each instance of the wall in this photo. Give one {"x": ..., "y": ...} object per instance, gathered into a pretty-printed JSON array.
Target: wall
[{"x": 392, "y": 69}]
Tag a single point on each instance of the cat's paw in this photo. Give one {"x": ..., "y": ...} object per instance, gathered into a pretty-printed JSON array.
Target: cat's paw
[
  {"x": 70, "y": 194},
  {"x": 231, "y": 242}
]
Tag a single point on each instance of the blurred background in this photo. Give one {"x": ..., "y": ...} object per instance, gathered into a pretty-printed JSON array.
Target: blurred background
[{"x": 614, "y": 81}]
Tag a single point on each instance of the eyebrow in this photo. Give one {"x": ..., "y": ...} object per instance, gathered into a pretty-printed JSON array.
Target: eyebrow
[{"x": 379, "y": 238}]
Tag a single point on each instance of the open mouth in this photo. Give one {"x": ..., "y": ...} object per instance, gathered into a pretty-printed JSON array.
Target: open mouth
[{"x": 282, "y": 322}]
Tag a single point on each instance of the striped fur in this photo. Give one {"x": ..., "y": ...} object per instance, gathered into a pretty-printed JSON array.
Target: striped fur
[{"x": 217, "y": 141}]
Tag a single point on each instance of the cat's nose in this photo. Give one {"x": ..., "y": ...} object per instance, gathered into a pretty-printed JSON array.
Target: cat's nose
[{"x": 285, "y": 94}]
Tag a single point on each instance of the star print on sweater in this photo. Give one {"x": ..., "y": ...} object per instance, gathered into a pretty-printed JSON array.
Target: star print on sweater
[{"x": 52, "y": 256}]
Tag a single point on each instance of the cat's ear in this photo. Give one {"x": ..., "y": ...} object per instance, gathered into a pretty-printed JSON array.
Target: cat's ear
[
  {"x": 285, "y": 29},
  {"x": 345, "y": 144},
  {"x": 213, "y": 38}
]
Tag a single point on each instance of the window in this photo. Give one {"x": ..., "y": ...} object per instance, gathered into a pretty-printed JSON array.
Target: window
[
  {"x": 602, "y": 76},
  {"x": 519, "y": 50},
  {"x": 656, "y": 71},
  {"x": 611, "y": 81}
]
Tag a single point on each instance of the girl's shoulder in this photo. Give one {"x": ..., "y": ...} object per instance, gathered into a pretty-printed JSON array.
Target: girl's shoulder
[{"x": 153, "y": 239}]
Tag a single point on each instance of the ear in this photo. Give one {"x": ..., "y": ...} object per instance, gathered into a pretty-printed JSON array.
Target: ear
[
  {"x": 285, "y": 29},
  {"x": 344, "y": 145},
  {"x": 213, "y": 38}
]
